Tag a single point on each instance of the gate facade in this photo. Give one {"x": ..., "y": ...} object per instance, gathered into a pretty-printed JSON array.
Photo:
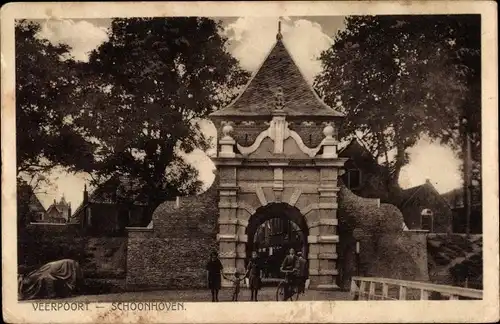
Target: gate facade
[{"x": 277, "y": 144}]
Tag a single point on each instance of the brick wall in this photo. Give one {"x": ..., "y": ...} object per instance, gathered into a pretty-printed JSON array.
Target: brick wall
[
  {"x": 311, "y": 134},
  {"x": 173, "y": 254},
  {"x": 102, "y": 259}
]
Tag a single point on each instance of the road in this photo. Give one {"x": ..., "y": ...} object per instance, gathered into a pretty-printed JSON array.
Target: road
[{"x": 265, "y": 294}]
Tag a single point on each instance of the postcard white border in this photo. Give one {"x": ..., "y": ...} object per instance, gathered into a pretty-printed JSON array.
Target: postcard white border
[{"x": 305, "y": 312}]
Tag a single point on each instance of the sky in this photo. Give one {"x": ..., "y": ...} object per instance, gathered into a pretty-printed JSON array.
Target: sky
[{"x": 250, "y": 38}]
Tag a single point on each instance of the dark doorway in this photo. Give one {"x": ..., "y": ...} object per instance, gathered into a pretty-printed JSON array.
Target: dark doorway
[{"x": 272, "y": 231}]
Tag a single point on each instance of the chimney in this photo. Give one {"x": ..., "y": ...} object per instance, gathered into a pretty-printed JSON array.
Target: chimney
[
  {"x": 177, "y": 202},
  {"x": 85, "y": 194},
  {"x": 278, "y": 35}
]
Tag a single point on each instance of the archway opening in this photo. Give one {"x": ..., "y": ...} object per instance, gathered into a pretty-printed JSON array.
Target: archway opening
[{"x": 272, "y": 231}]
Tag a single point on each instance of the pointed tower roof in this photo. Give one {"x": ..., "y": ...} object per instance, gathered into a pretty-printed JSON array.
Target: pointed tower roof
[{"x": 278, "y": 73}]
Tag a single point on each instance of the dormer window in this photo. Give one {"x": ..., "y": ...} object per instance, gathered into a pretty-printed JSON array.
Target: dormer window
[{"x": 353, "y": 178}]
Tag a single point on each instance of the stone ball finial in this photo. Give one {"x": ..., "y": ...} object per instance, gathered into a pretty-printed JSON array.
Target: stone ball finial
[
  {"x": 328, "y": 131},
  {"x": 227, "y": 130}
]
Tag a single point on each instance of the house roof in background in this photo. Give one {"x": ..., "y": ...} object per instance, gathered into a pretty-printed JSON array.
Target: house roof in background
[
  {"x": 278, "y": 71},
  {"x": 407, "y": 195},
  {"x": 111, "y": 190},
  {"x": 355, "y": 149},
  {"x": 35, "y": 204}
]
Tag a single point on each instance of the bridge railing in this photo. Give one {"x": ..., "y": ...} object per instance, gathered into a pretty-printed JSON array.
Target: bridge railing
[{"x": 368, "y": 288}]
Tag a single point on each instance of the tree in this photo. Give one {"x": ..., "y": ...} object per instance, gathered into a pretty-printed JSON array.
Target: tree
[
  {"x": 400, "y": 77},
  {"x": 46, "y": 79},
  {"x": 147, "y": 87}
]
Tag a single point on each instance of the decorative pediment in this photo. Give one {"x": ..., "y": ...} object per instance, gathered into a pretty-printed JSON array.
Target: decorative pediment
[{"x": 279, "y": 132}]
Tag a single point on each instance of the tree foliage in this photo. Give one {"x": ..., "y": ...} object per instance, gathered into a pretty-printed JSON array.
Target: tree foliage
[
  {"x": 46, "y": 136},
  {"x": 145, "y": 89},
  {"x": 400, "y": 77},
  {"x": 46, "y": 79}
]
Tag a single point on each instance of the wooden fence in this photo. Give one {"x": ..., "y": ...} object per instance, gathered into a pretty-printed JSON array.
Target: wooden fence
[{"x": 366, "y": 288}]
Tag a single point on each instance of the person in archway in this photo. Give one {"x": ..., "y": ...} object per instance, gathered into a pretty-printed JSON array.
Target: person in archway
[
  {"x": 289, "y": 264},
  {"x": 254, "y": 272},
  {"x": 214, "y": 270},
  {"x": 301, "y": 272}
]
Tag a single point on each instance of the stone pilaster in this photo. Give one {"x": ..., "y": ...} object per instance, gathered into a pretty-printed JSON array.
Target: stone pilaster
[{"x": 323, "y": 244}]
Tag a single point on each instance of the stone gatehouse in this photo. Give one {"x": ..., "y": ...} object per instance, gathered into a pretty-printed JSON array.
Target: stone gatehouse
[
  {"x": 276, "y": 157},
  {"x": 277, "y": 153}
]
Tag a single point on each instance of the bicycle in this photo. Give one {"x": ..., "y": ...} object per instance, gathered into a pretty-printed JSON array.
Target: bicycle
[{"x": 280, "y": 291}]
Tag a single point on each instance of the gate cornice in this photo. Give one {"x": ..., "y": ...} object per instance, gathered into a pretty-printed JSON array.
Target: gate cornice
[{"x": 283, "y": 162}]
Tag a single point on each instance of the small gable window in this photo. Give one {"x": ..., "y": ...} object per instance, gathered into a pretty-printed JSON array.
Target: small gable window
[
  {"x": 353, "y": 178},
  {"x": 426, "y": 220}
]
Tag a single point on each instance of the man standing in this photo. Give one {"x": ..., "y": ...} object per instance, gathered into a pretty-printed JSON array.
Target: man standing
[
  {"x": 214, "y": 271},
  {"x": 289, "y": 264},
  {"x": 301, "y": 272}
]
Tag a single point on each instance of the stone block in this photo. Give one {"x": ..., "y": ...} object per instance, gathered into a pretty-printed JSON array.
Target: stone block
[
  {"x": 241, "y": 248},
  {"x": 327, "y": 248},
  {"x": 226, "y": 229},
  {"x": 314, "y": 232},
  {"x": 327, "y": 230},
  {"x": 313, "y": 216},
  {"x": 255, "y": 174},
  {"x": 326, "y": 264},
  {"x": 313, "y": 265},
  {"x": 299, "y": 175}
]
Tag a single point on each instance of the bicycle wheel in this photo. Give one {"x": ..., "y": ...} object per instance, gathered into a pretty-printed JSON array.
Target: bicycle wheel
[
  {"x": 296, "y": 292},
  {"x": 280, "y": 292}
]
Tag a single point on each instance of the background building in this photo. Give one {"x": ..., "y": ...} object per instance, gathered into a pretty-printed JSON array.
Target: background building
[{"x": 58, "y": 212}]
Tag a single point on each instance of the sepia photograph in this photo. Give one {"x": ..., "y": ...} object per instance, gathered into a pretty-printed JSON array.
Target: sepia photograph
[{"x": 162, "y": 161}]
